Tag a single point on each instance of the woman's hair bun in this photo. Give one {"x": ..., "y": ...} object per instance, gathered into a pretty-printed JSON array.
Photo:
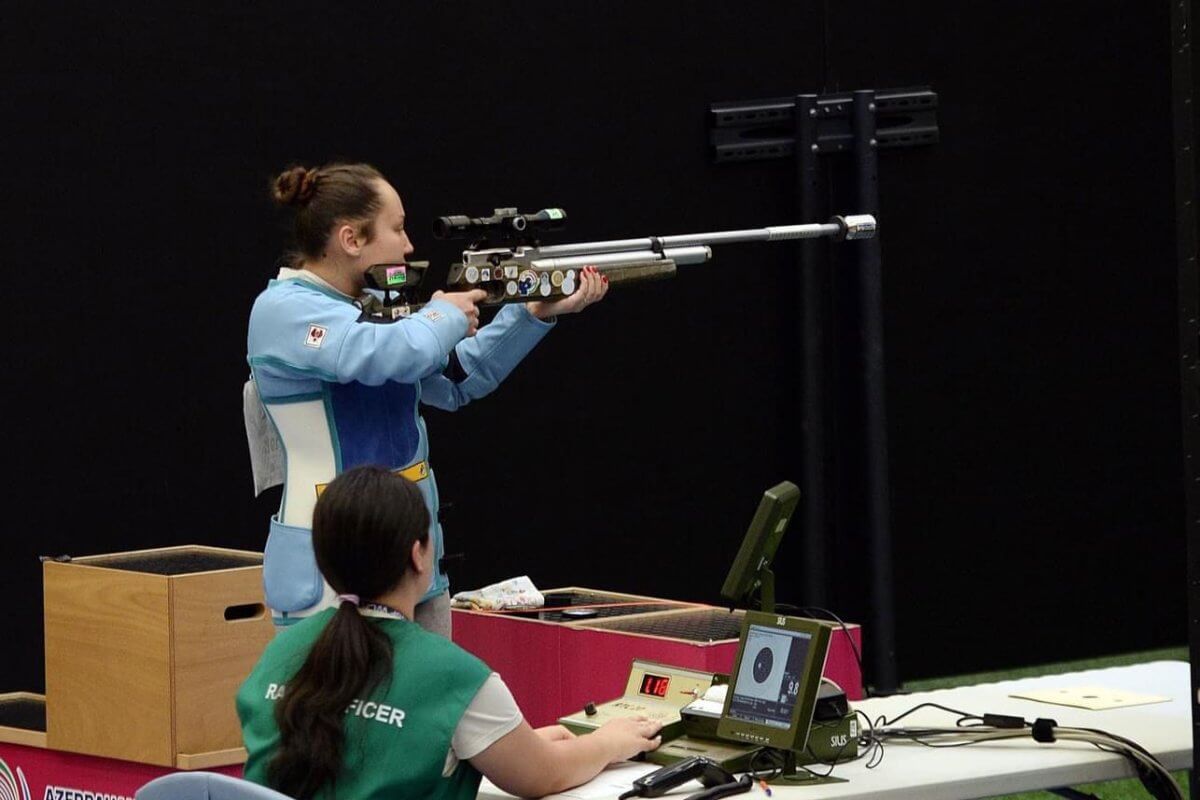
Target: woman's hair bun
[{"x": 294, "y": 187}]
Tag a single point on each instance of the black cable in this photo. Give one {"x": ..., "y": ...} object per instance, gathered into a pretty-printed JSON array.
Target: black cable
[
  {"x": 1155, "y": 777},
  {"x": 837, "y": 759},
  {"x": 774, "y": 771},
  {"x": 873, "y": 762},
  {"x": 873, "y": 738},
  {"x": 867, "y": 739},
  {"x": 922, "y": 737},
  {"x": 849, "y": 638},
  {"x": 1072, "y": 794},
  {"x": 1118, "y": 737},
  {"x": 742, "y": 784},
  {"x": 808, "y": 611},
  {"x": 882, "y": 720}
]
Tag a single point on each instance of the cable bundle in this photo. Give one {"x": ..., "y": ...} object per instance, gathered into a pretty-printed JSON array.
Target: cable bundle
[{"x": 972, "y": 729}]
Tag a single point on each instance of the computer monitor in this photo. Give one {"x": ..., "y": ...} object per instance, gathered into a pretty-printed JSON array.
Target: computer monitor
[
  {"x": 775, "y": 680},
  {"x": 751, "y": 568}
]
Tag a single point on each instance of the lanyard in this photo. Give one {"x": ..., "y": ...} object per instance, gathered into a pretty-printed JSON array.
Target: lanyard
[{"x": 380, "y": 610}]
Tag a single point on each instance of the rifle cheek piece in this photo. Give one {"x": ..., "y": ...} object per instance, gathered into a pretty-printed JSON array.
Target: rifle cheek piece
[
  {"x": 397, "y": 281},
  {"x": 399, "y": 276}
]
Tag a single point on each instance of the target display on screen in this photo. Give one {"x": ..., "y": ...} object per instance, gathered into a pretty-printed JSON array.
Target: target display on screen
[
  {"x": 763, "y": 662},
  {"x": 769, "y": 676}
]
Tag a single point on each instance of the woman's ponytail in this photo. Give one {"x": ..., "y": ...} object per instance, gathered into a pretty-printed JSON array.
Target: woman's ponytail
[{"x": 364, "y": 527}]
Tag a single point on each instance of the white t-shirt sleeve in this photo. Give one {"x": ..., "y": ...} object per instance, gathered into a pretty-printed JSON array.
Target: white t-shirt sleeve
[{"x": 490, "y": 716}]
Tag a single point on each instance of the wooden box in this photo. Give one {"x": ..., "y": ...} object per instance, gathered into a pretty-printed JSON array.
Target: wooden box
[
  {"x": 23, "y": 719},
  {"x": 145, "y": 652}
]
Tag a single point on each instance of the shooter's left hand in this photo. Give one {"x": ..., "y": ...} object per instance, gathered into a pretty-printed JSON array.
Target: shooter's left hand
[{"x": 593, "y": 285}]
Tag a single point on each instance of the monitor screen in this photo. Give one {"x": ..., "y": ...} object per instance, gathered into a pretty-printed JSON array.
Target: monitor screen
[
  {"x": 758, "y": 547},
  {"x": 769, "y": 677},
  {"x": 775, "y": 680}
]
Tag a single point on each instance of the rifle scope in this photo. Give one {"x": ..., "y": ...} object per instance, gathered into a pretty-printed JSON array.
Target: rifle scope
[{"x": 505, "y": 221}]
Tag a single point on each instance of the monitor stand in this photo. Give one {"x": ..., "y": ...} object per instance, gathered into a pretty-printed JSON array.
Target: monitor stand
[
  {"x": 791, "y": 773},
  {"x": 767, "y": 591}
]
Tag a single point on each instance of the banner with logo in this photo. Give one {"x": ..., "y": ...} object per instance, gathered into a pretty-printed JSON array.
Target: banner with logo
[{"x": 33, "y": 773}]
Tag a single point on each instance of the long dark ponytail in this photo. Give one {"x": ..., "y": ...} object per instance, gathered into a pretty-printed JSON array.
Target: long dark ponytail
[{"x": 364, "y": 527}]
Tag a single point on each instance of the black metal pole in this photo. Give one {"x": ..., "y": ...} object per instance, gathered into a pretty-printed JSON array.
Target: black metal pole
[
  {"x": 882, "y": 634},
  {"x": 812, "y": 322},
  {"x": 1186, "y": 223}
]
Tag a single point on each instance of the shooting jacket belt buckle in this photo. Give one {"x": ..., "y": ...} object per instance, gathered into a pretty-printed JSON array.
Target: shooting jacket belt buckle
[{"x": 417, "y": 472}]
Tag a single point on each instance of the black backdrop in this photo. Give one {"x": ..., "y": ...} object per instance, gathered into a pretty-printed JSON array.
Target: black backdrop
[{"x": 1030, "y": 287}]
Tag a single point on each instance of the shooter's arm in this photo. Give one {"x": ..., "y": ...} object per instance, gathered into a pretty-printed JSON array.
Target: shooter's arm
[{"x": 479, "y": 364}]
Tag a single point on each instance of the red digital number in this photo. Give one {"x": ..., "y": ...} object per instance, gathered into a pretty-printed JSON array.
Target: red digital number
[{"x": 655, "y": 685}]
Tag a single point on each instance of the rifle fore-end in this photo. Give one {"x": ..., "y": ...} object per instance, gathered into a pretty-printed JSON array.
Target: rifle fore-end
[{"x": 640, "y": 273}]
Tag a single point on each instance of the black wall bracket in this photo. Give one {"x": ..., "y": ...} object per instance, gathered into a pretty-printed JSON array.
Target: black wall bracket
[{"x": 764, "y": 129}]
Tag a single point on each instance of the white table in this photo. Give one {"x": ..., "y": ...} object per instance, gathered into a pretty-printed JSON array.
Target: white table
[{"x": 914, "y": 772}]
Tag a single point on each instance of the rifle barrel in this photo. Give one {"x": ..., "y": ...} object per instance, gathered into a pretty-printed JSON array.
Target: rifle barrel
[{"x": 771, "y": 234}]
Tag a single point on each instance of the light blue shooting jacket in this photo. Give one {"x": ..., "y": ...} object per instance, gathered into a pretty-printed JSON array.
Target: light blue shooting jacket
[{"x": 341, "y": 393}]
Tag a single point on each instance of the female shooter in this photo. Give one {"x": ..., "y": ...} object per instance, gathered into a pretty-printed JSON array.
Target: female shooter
[{"x": 342, "y": 391}]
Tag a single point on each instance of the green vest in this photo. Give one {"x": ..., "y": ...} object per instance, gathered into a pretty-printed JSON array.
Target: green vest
[{"x": 398, "y": 737}]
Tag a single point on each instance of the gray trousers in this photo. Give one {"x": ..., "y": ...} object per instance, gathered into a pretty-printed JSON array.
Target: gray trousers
[{"x": 434, "y": 614}]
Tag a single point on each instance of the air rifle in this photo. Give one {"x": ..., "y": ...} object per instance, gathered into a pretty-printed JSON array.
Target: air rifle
[{"x": 506, "y": 259}]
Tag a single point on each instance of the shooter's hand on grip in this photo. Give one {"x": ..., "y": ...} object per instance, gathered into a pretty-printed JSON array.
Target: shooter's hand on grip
[{"x": 466, "y": 302}]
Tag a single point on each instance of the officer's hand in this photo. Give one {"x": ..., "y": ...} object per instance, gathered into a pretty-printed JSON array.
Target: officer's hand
[
  {"x": 593, "y": 285},
  {"x": 628, "y": 736},
  {"x": 466, "y": 302}
]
